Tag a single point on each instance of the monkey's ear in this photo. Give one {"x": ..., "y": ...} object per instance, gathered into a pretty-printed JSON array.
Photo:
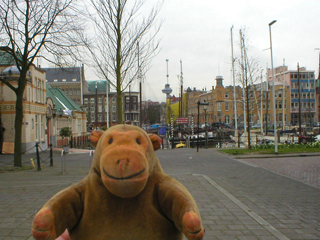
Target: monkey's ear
[
  {"x": 95, "y": 136},
  {"x": 156, "y": 141}
]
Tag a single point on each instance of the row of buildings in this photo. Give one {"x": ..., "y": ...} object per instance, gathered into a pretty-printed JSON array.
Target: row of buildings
[
  {"x": 61, "y": 97},
  {"x": 224, "y": 107},
  {"x": 55, "y": 98}
]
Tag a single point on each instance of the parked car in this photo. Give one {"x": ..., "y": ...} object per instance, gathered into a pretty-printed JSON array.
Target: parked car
[
  {"x": 220, "y": 125},
  {"x": 306, "y": 138},
  {"x": 257, "y": 125},
  {"x": 267, "y": 141}
]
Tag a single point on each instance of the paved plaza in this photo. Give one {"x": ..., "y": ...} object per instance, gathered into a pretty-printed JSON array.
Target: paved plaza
[{"x": 250, "y": 198}]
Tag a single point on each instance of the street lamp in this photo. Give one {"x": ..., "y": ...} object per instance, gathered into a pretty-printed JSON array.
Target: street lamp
[
  {"x": 205, "y": 108},
  {"x": 273, "y": 93},
  {"x": 199, "y": 103}
]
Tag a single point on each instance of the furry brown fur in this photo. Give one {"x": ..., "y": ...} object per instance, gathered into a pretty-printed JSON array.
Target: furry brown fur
[{"x": 125, "y": 196}]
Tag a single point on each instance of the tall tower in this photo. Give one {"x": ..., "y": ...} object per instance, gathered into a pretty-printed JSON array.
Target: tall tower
[{"x": 167, "y": 90}]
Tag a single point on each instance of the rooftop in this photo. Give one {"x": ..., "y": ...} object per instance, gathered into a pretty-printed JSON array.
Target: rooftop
[
  {"x": 61, "y": 100},
  {"x": 64, "y": 74}
]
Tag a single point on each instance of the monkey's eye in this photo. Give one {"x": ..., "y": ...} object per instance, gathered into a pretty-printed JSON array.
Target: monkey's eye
[
  {"x": 110, "y": 140},
  {"x": 138, "y": 141}
]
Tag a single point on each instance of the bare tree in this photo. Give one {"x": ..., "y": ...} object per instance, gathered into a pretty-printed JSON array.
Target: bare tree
[
  {"x": 124, "y": 42},
  {"x": 33, "y": 29},
  {"x": 249, "y": 69}
]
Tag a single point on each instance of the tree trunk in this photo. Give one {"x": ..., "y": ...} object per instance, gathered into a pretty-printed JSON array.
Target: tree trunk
[
  {"x": 18, "y": 130},
  {"x": 118, "y": 63},
  {"x": 119, "y": 106}
]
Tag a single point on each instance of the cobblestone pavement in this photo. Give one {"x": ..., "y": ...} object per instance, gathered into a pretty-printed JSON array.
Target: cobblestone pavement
[
  {"x": 238, "y": 199},
  {"x": 305, "y": 169}
]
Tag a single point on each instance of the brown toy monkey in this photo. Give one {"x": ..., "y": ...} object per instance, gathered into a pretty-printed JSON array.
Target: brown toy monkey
[{"x": 126, "y": 196}]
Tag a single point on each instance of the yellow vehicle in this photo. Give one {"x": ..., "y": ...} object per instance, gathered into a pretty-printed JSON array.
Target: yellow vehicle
[{"x": 180, "y": 145}]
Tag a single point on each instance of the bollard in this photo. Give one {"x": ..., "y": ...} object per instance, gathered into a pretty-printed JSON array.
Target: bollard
[
  {"x": 38, "y": 157},
  {"x": 63, "y": 162},
  {"x": 91, "y": 157},
  {"x": 32, "y": 163},
  {"x": 51, "y": 156}
]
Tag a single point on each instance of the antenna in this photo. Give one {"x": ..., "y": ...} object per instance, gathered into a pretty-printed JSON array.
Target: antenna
[
  {"x": 181, "y": 89},
  {"x": 167, "y": 60}
]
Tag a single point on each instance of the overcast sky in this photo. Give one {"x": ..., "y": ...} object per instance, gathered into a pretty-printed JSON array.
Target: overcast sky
[{"x": 198, "y": 33}]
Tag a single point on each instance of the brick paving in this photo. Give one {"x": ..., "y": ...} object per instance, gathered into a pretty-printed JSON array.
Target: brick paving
[
  {"x": 305, "y": 169},
  {"x": 238, "y": 199}
]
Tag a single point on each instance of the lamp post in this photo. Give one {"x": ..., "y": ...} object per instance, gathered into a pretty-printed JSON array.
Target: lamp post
[
  {"x": 273, "y": 94},
  {"x": 205, "y": 108},
  {"x": 199, "y": 103}
]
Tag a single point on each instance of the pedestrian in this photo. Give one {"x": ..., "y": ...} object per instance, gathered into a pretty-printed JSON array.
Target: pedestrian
[{"x": 2, "y": 129}]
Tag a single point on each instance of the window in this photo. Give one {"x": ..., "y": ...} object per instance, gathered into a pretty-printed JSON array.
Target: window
[
  {"x": 39, "y": 91},
  {"x": 42, "y": 131},
  {"x": 64, "y": 80},
  {"x": 226, "y": 94},
  {"x": 92, "y": 100},
  {"x": 74, "y": 80},
  {"x": 55, "y": 80},
  {"x": 86, "y": 101},
  {"x": 219, "y": 106},
  {"x": 227, "y": 106},
  {"x": 36, "y": 121},
  {"x": 227, "y": 119},
  {"x": 42, "y": 92}
]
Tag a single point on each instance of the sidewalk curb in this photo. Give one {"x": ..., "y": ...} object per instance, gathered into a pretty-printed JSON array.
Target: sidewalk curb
[{"x": 276, "y": 155}]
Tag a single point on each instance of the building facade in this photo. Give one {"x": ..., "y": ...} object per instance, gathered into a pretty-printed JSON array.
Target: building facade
[
  {"x": 98, "y": 100},
  {"x": 224, "y": 107},
  {"x": 35, "y": 106},
  {"x": 302, "y": 100},
  {"x": 71, "y": 80},
  {"x": 65, "y": 113}
]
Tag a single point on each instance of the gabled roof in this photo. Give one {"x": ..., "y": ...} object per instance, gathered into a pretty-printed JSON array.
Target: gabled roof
[
  {"x": 70, "y": 74},
  {"x": 61, "y": 100}
]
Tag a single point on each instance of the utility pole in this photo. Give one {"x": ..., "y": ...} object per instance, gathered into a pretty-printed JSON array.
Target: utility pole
[
  {"x": 261, "y": 103},
  {"x": 299, "y": 96},
  {"x": 283, "y": 99},
  {"x": 273, "y": 94},
  {"x": 181, "y": 90},
  {"x": 309, "y": 91},
  {"x": 267, "y": 100},
  {"x": 234, "y": 87}
]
